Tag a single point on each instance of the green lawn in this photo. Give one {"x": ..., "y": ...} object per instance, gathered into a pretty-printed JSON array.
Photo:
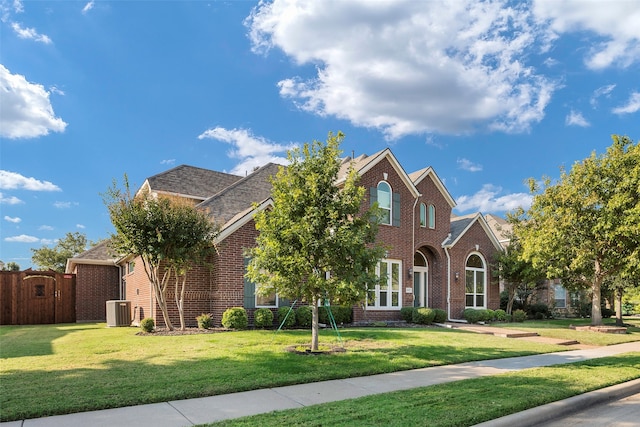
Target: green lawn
[
  {"x": 560, "y": 328},
  {"x": 57, "y": 369},
  {"x": 460, "y": 403}
]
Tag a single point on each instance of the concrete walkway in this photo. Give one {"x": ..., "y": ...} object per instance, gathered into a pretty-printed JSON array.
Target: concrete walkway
[{"x": 215, "y": 408}]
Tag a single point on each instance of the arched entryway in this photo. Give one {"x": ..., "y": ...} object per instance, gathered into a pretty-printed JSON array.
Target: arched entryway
[{"x": 420, "y": 280}]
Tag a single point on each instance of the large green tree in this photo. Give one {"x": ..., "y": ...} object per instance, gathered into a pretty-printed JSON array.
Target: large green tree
[
  {"x": 167, "y": 233},
  {"x": 586, "y": 226},
  {"x": 315, "y": 242},
  {"x": 55, "y": 258}
]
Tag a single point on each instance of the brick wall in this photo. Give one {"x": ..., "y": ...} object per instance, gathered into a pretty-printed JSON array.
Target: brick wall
[
  {"x": 459, "y": 253},
  {"x": 95, "y": 285}
]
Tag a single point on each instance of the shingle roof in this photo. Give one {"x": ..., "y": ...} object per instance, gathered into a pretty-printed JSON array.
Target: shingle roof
[
  {"x": 241, "y": 195},
  {"x": 458, "y": 226},
  {"x": 191, "y": 181},
  {"x": 102, "y": 252}
]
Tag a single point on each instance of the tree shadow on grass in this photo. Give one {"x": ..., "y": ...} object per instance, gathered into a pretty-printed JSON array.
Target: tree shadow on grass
[{"x": 38, "y": 337}]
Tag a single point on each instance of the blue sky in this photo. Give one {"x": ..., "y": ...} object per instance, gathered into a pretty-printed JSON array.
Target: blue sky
[{"x": 488, "y": 93}]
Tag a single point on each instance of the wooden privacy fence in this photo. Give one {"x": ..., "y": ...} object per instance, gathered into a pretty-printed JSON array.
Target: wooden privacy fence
[{"x": 37, "y": 297}]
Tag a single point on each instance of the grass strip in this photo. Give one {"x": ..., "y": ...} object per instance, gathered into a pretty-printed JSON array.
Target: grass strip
[{"x": 460, "y": 403}]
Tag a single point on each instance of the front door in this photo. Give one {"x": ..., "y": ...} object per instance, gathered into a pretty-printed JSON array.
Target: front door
[{"x": 421, "y": 286}]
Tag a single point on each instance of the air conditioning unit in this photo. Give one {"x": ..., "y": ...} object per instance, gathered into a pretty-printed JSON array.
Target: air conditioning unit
[{"x": 118, "y": 313}]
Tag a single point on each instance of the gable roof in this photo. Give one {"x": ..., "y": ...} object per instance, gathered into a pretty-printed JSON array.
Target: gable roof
[
  {"x": 189, "y": 181},
  {"x": 363, "y": 163},
  {"x": 461, "y": 224},
  {"x": 241, "y": 195},
  {"x": 417, "y": 177},
  {"x": 500, "y": 227},
  {"x": 100, "y": 254}
]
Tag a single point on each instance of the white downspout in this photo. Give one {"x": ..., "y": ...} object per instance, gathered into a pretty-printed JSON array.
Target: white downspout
[{"x": 446, "y": 251}]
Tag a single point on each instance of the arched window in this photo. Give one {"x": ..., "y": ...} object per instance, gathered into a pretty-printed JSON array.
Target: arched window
[
  {"x": 432, "y": 216},
  {"x": 384, "y": 202},
  {"x": 423, "y": 215},
  {"x": 475, "y": 282}
]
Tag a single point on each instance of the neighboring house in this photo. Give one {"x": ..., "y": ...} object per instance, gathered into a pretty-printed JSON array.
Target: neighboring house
[
  {"x": 551, "y": 291},
  {"x": 433, "y": 259}
]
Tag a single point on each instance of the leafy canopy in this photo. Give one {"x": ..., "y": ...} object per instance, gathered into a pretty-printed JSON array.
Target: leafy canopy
[
  {"x": 586, "y": 226},
  {"x": 56, "y": 258},
  {"x": 316, "y": 241}
]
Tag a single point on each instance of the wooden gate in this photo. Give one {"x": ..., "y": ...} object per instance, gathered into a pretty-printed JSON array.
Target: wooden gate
[{"x": 37, "y": 297}]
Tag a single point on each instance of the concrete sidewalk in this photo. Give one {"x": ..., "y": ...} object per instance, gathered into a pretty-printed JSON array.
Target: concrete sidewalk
[{"x": 215, "y": 408}]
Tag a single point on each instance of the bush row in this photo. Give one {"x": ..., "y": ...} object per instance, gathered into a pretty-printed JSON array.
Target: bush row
[
  {"x": 236, "y": 317},
  {"x": 423, "y": 315},
  {"x": 475, "y": 315}
]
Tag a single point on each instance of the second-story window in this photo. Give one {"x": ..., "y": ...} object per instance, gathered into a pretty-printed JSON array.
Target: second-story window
[
  {"x": 384, "y": 202},
  {"x": 423, "y": 215},
  {"x": 432, "y": 216}
]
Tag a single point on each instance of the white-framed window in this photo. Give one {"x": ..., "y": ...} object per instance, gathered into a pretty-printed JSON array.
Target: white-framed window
[
  {"x": 266, "y": 301},
  {"x": 432, "y": 216},
  {"x": 560, "y": 296},
  {"x": 131, "y": 266},
  {"x": 475, "y": 282},
  {"x": 423, "y": 215},
  {"x": 384, "y": 202},
  {"x": 387, "y": 294}
]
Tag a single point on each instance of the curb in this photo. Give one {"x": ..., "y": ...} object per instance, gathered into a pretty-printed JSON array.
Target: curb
[{"x": 535, "y": 416}]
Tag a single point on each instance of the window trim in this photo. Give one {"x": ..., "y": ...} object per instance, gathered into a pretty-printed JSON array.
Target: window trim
[
  {"x": 555, "y": 295},
  {"x": 390, "y": 208},
  {"x": 431, "y": 216},
  {"x": 423, "y": 215},
  {"x": 475, "y": 270},
  {"x": 277, "y": 304},
  {"x": 376, "y": 303}
]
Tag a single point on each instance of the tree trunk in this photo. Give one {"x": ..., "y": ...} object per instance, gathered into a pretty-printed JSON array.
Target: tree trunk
[
  {"x": 618, "y": 306},
  {"x": 314, "y": 325},
  {"x": 512, "y": 297},
  {"x": 596, "y": 312}
]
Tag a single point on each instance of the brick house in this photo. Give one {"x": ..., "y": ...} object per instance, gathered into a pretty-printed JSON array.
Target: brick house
[{"x": 433, "y": 259}]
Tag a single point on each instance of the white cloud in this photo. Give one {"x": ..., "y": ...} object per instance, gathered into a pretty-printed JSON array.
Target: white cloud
[
  {"x": 23, "y": 238},
  {"x": 11, "y": 200},
  {"x": 601, "y": 91},
  {"x": 468, "y": 165},
  {"x": 168, "y": 162},
  {"x": 409, "y": 67},
  {"x": 87, "y": 7},
  {"x": 251, "y": 150},
  {"x": 30, "y": 34},
  {"x": 15, "y": 181},
  {"x": 45, "y": 227},
  {"x": 25, "y": 106},
  {"x": 632, "y": 105},
  {"x": 64, "y": 205},
  {"x": 14, "y": 220},
  {"x": 80, "y": 226},
  {"x": 488, "y": 199},
  {"x": 614, "y": 22},
  {"x": 575, "y": 118}
]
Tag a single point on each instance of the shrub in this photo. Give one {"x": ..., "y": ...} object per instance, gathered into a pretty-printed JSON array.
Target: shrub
[
  {"x": 341, "y": 314},
  {"x": 304, "y": 316},
  {"x": 541, "y": 308},
  {"x": 147, "y": 324},
  {"x": 472, "y": 315},
  {"x": 235, "y": 318},
  {"x": 488, "y": 315},
  {"x": 501, "y": 315},
  {"x": 263, "y": 318},
  {"x": 519, "y": 316},
  {"x": 289, "y": 314},
  {"x": 407, "y": 314},
  {"x": 607, "y": 312},
  {"x": 205, "y": 321},
  {"x": 423, "y": 316},
  {"x": 441, "y": 315}
]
